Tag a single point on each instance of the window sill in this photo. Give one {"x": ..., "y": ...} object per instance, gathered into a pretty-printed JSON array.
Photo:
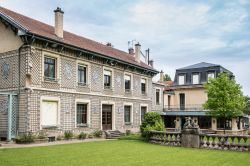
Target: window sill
[
  {"x": 50, "y": 127},
  {"x": 51, "y": 80},
  {"x": 82, "y": 125},
  {"x": 80, "y": 84},
  {"x": 128, "y": 123},
  {"x": 108, "y": 89}
]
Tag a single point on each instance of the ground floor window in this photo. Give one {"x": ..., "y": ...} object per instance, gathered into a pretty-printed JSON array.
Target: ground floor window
[
  {"x": 49, "y": 113},
  {"x": 220, "y": 124},
  {"x": 143, "y": 112},
  {"x": 82, "y": 114},
  {"x": 204, "y": 122},
  {"x": 127, "y": 114},
  {"x": 169, "y": 121}
]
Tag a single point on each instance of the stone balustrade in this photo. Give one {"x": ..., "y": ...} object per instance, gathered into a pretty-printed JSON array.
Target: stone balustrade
[
  {"x": 206, "y": 141},
  {"x": 165, "y": 138},
  {"x": 225, "y": 142}
]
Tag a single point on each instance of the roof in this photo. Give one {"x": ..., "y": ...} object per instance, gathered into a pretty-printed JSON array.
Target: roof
[
  {"x": 47, "y": 31},
  {"x": 199, "y": 65}
]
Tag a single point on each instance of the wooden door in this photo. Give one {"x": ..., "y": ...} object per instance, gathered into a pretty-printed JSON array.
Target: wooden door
[{"x": 107, "y": 117}]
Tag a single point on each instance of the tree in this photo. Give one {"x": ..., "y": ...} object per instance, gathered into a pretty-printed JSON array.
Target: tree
[
  {"x": 152, "y": 121},
  {"x": 225, "y": 98},
  {"x": 247, "y": 101},
  {"x": 167, "y": 77}
]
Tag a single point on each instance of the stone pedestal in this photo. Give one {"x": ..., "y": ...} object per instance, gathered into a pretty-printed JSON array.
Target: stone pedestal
[{"x": 190, "y": 138}]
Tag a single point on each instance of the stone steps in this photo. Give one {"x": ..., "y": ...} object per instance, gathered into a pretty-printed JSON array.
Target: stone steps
[{"x": 113, "y": 134}]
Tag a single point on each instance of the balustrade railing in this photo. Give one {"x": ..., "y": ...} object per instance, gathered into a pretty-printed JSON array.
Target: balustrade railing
[
  {"x": 225, "y": 142},
  {"x": 165, "y": 138},
  {"x": 186, "y": 107}
]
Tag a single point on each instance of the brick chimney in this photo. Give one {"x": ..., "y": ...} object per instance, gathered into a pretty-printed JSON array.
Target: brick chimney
[
  {"x": 151, "y": 63},
  {"x": 59, "y": 22},
  {"x": 138, "y": 52},
  {"x": 131, "y": 51}
]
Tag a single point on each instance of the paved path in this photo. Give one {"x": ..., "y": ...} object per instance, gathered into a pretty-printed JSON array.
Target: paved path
[{"x": 5, "y": 145}]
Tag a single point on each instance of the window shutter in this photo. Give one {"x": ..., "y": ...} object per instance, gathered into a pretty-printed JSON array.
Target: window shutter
[{"x": 49, "y": 113}]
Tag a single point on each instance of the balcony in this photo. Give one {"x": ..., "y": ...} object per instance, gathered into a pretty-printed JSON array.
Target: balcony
[{"x": 186, "y": 107}]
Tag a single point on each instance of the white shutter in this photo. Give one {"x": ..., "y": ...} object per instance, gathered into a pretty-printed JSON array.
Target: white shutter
[
  {"x": 107, "y": 72},
  {"x": 196, "y": 79},
  {"x": 181, "y": 80},
  {"x": 210, "y": 75},
  {"x": 49, "y": 113}
]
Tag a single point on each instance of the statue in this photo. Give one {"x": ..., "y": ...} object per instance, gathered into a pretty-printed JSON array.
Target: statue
[{"x": 190, "y": 123}]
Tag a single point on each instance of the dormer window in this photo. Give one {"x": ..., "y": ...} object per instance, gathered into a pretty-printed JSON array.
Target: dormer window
[
  {"x": 210, "y": 75},
  {"x": 196, "y": 78},
  {"x": 181, "y": 79}
]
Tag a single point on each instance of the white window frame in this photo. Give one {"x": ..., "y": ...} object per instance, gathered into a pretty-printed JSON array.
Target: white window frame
[
  {"x": 58, "y": 65},
  {"x": 142, "y": 105},
  {"x": 112, "y": 77},
  {"x": 184, "y": 79},
  {"x": 146, "y": 85},
  {"x": 131, "y": 113},
  {"x": 50, "y": 99},
  {"x": 159, "y": 96},
  {"x": 83, "y": 101},
  {"x": 88, "y": 77},
  {"x": 210, "y": 73},
  {"x": 131, "y": 81},
  {"x": 195, "y": 74}
]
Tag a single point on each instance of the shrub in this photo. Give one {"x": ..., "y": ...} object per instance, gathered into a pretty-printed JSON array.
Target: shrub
[
  {"x": 128, "y": 132},
  {"x": 82, "y": 135},
  {"x": 248, "y": 132},
  {"x": 42, "y": 135},
  {"x": 25, "y": 138},
  {"x": 90, "y": 136},
  {"x": 68, "y": 135},
  {"x": 59, "y": 137},
  {"x": 152, "y": 121},
  {"x": 97, "y": 133}
]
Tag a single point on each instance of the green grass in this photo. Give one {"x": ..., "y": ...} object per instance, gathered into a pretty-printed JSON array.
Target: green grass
[{"x": 120, "y": 152}]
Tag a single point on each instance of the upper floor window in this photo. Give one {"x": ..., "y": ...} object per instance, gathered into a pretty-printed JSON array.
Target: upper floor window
[
  {"x": 127, "y": 114},
  {"x": 157, "y": 96},
  {"x": 181, "y": 79},
  {"x": 143, "y": 86},
  {"x": 49, "y": 68},
  {"x": 107, "y": 79},
  {"x": 82, "y": 74},
  {"x": 81, "y": 114},
  {"x": 195, "y": 78},
  {"x": 210, "y": 75},
  {"x": 127, "y": 79}
]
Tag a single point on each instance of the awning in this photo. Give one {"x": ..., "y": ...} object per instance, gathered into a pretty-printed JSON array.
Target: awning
[{"x": 184, "y": 113}]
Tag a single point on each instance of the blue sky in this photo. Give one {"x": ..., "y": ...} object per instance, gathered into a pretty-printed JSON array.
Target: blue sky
[{"x": 178, "y": 33}]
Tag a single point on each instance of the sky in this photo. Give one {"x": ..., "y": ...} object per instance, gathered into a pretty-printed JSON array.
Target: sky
[{"x": 179, "y": 33}]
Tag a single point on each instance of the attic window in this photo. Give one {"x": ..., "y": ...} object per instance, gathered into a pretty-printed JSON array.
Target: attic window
[{"x": 181, "y": 79}]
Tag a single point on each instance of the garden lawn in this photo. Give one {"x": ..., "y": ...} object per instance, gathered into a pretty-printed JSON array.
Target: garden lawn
[{"x": 120, "y": 152}]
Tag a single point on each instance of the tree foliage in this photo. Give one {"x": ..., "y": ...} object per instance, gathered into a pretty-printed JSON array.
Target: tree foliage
[
  {"x": 152, "y": 121},
  {"x": 247, "y": 101},
  {"x": 167, "y": 77},
  {"x": 225, "y": 98}
]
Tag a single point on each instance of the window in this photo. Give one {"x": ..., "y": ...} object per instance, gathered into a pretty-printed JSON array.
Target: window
[
  {"x": 82, "y": 114},
  {"x": 82, "y": 75},
  {"x": 181, "y": 79},
  {"x": 49, "y": 113},
  {"x": 220, "y": 124},
  {"x": 210, "y": 75},
  {"x": 143, "y": 112},
  {"x": 182, "y": 101},
  {"x": 127, "y": 114},
  {"x": 127, "y": 79},
  {"x": 157, "y": 96},
  {"x": 107, "y": 79},
  {"x": 204, "y": 122},
  {"x": 143, "y": 86},
  {"x": 49, "y": 68},
  {"x": 196, "y": 79}
]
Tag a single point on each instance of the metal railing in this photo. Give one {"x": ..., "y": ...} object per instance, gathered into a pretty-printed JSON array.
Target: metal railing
[{"x": 186, "y": 107}]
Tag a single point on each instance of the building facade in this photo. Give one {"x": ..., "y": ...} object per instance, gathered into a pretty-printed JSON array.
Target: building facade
[
  {"x": 67, "y": 82},
  {"x": 186, "y": 95}
]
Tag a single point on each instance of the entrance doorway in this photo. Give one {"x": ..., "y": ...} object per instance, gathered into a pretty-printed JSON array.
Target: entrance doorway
[{"x": 106, "y": 117}]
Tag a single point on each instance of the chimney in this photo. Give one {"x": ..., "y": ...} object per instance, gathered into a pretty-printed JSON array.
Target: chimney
[
  {"x": 161, "y": 76},
  {"x": 151, "y": 63},
  {"x": 138, "y": 52},
  {"x": 131, "y": 51},
  {"x": 59, "y": 22}
]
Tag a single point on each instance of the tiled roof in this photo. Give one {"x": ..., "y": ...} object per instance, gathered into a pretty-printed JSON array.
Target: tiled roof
[
  {"x": 47, "y": 31},
  {"x": 199, "y": 65}
]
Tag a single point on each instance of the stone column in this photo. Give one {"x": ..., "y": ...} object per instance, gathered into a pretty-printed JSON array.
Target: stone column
[
  {"x": 214, "y": 123},
  {"x": 234, "y": 124},
  {"x": 178, "y": 123}
]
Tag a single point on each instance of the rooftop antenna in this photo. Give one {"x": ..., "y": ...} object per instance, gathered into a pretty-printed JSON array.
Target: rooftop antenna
[{"x": 131, "y": 43}]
